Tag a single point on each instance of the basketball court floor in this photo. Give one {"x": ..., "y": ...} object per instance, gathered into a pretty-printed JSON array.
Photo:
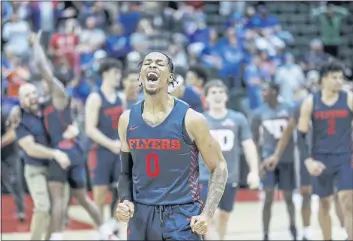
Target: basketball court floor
[{"x": 245, "y": 222}]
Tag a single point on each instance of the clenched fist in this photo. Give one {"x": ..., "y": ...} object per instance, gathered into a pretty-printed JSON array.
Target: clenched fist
[{"x": 125, "y": 211}]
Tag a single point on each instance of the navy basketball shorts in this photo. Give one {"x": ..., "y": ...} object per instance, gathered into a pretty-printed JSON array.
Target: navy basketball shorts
[
  {"x": 168, "y": 222},
  {"x": 283, "y": 176},
  {"x": 305, "y": 177},
  {"x": 104, "y": 167},
  {"x": 228, "y": 198},
  {"x": 75, "y": 174},
  {"x": 339, "y": 172}
]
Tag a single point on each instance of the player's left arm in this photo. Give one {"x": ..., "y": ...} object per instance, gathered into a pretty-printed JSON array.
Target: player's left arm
[
  {"x": 350, "y": 100},
  {"x": 210, "y": 150},
  {"x": 248, "y": 144},
  {"x": 59, "y": 96}
]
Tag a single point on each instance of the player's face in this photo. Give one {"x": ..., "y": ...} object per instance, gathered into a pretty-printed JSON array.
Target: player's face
[
  {"x": 217, "y": 97},
  {"x": 155, "y": 74},
  {"x": 268, "y": 94},
  {"x": 29, "y": 98},
  {"x": 333, "y": 81},
  {"x": 191, "y": 79},
  {"x": 113, "y": 76},
  {"x": 131, "y": 83}
]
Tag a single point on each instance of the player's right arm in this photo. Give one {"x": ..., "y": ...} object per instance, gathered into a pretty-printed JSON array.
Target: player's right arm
[
  {"x": 35, "y": 150},
  {"x": 93, "y": 105},
  {"x": 59, "y": 97},
  {"x": 125, "y": 209},
  {"x": 306, "y": 110},
  {"x": 255, "y": 124},
  {"x": 314, "y": 167}
]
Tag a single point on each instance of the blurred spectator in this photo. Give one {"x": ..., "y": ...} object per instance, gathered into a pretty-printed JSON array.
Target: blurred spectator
[
  {"x": 91, "y": 39},
  {"x": 232, "y": 59},
  {"x": 267, "y": 65},
  {"x": 177, "y": 51},
  {"x": 16, "y": 32},
  {"x": 130, "y": 17},
  {"x": 190, "y": 18},
  {"x": 330, "y": 20},
  {"x": 140, "y": 39},
  {"x": 63, "y": 44},
  {"x": 117, "y": 44},
  {"x": 15, "y": 73},
  {"x": 6, "y": 11},
  {"x": 315, "y": 57},
  {"x": 264, "y": 20},
  {"x": 313, "y": 79},
  {"x": 290, "y": 78},
  {"x": 253, "y": 78},
  {"x": 97, "y": 10},
  {"x": 44, "y": 15},
  {"x": 228, "y": 7}
]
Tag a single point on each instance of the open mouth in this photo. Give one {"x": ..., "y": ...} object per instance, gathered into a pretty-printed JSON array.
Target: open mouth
[{"x": 152, "y": 76}]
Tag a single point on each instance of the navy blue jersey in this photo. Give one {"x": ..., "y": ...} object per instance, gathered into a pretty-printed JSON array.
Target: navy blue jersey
[
  {"x": 32, "y": 125},
  {"x": 165, "y": 169},
  {"x": 109, "y": 115},
  {"x": 332, "y": 126},
  {"x": 193, "y": 99},
  {"x": 56, "y": 122}
]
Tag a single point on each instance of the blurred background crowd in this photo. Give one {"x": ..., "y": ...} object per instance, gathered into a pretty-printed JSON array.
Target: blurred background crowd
[{"x": 241, "y": 43}]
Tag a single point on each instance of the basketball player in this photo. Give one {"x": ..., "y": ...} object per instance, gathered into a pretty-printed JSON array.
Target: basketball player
[
  {"x": 159, "y": 183},
  {"x": 305, "y": 179},
  {"x": 103, "y": 110},
  {"x": 330, "y": 112},
  {"x": 57, "y": 117},
  {"x": 232, "y": 131},
  {"x": 131, "y": 93},
  {"x": 268, "y": 124}
]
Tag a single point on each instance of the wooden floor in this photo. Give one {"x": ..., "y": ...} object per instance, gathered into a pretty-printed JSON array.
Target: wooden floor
[{"x": 245, "y": 223}]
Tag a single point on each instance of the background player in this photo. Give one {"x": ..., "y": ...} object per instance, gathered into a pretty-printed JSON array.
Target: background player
[
  {"x": 57, "y": 117},
  {"x": 131, "y": 93},
  {"x": 330, "y": 111},
  {"x": 103, "y": 110},
  {"x": 232, "y": 131},
  {"x": 268, "y": 123},
  {"x": 305, "y": 178},
  {"x": 159, "y": 182}
]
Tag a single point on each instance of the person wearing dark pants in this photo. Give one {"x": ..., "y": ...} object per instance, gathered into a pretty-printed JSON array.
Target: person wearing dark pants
[{"x": 11, "y": 177}]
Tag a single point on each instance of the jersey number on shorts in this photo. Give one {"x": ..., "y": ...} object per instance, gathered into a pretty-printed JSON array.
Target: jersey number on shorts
[
  {"x": 331, "y": 126},
  {"x": 152, "y": 165},
  {"x": 275, "y": 127},
  {"x": 225, "y": 138}
]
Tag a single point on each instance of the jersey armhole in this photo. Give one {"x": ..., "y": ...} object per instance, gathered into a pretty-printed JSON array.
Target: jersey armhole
[{"x": 185, "y": 135}]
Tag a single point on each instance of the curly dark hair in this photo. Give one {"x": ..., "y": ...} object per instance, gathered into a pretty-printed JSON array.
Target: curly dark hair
[{"x": 170, "y": 65}]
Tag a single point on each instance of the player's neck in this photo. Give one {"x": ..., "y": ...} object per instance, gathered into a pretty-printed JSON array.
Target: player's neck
[
  {"x": 273, "y": 104},
  {"x": 328, "y": 94},
  {"x": 218, "y": 113},
  {"x": 158, "y": 102},
  {"x": 106, "y": 89}
]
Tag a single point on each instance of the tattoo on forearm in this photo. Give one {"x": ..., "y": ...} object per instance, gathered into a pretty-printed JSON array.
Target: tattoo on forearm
[{"x": 216, "y": 187}]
